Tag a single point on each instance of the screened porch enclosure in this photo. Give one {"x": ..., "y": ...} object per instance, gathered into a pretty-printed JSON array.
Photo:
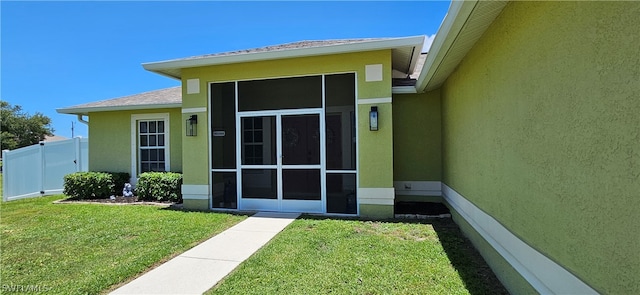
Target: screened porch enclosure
[{"x": 285, "y": 144}]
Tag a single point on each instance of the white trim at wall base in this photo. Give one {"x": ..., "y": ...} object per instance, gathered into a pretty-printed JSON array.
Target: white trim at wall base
[
  {"x": 376, "y": 196},
  {"x": 418, "y": 188},
  {"x": 375, "y": 100},
  {"x": 546, "y": 276},
  {"x": 195, "y": 192}
]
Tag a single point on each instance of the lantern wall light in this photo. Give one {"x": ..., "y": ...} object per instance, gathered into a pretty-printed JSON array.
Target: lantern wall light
[
  {"x": 373, "y": 119},
  {"x": 192, "y": 125}
]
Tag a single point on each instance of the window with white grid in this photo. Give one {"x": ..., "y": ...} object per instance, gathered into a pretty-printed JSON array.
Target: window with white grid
[{"x": 152, "y": 145}]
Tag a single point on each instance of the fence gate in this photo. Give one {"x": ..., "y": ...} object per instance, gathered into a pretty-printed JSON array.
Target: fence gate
[{"x": 39, "y": 170}]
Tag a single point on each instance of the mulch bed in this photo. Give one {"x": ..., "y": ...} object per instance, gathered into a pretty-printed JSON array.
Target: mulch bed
[
  {"x": 119, "y": 200},
  {"x": 423, "y": 208}
]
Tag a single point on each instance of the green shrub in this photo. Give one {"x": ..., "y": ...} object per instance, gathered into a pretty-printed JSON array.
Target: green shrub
[
  {"x": 88, "y": 185},
  {"x": 119, "y": 179},
  {"x": 159, "y": 186}
]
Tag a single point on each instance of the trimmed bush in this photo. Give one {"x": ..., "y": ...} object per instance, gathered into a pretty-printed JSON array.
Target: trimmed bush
[
  {"x": 119, "y": 179},
  {"x": 88, "y": 185},
  {"x": 159, "y": 186}
]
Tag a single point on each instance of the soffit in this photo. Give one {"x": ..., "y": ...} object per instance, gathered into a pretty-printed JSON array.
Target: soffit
[
  {"x": 404, "y": 59},
  {"x": 463, "y": 26}
]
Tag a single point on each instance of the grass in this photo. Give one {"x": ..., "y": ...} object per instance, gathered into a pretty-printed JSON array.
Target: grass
[
  {"x": 89, "y": 249},
  {"x": 321, "y": 256}
]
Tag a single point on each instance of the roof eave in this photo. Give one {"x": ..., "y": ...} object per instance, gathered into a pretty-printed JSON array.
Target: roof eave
[
  {"x": 87, "y": 110},
  {"x": 163, "y": 67},
  {"x": 451, "y": 43},
  {"x": 451, "y": 25},
  {"x": 417, "y": 51}
]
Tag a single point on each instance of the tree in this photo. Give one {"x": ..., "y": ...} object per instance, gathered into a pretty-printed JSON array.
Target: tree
[{"x": 19, "y": 129}]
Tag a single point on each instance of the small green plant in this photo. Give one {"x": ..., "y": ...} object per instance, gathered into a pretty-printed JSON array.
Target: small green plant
[
  {"x": 88, "y": 185},
  {"x": 160, "y": 186}
]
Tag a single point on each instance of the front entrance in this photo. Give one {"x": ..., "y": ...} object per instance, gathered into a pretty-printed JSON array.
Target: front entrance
[
  {"x": 280, "y": 161},
  {"x": 286, "y": 144}
]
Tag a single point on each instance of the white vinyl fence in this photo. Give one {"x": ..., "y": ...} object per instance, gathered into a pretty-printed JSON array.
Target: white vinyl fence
[{"x": 39, "y": 170}]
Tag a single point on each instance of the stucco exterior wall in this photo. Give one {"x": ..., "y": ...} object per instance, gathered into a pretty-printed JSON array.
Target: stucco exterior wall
[
  {"x": 541, "y": 131},
  {"x": 417, "y": 145},
  {"x": 110, "y": 144},
  {"x": 375, "y": 149}
]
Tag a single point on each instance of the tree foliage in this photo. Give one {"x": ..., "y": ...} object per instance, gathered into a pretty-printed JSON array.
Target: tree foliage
[{"x": 20, "y": 129}]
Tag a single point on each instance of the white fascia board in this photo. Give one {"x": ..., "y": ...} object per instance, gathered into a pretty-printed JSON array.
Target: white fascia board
[
  {"x": 456, "y": 17},
  {"x": 86, "y": 111},
  {"x": 158, "y": 67},
  {"x": 403, "y": 90}
]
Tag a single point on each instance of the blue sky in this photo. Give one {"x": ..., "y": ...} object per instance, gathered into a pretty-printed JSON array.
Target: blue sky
[{"x": 59, "y": 54}]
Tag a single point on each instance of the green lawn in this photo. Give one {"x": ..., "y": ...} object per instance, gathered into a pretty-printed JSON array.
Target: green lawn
[
  {"x": 87, "y": 249},
  {"x": 320, "y": 256}
]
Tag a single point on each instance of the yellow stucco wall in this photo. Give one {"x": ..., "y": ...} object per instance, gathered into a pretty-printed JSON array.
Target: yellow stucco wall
[
  {"x": 541, "y": 130},
  {"x": 417, "y": 146},
  {"x": 110, "y": 144},
  {"x": 374, "y": 148}
]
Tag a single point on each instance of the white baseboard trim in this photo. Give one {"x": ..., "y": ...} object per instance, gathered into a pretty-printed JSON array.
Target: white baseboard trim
[
  {"x": 195, "y": 192},
  {"x": 546, "y": 276},
  {"x": 418, "y": 188},
  {"x": 376, "y": 196}
]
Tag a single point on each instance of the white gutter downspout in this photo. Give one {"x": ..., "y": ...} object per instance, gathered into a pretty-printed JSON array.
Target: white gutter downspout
[{"x": 82, "y": 120}]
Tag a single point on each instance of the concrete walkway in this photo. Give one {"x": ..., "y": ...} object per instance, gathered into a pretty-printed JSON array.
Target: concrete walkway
[{"x": 200, "y": 268}]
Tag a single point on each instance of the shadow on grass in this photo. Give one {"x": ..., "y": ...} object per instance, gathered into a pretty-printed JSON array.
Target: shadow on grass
[
  {"x": 470, "y": 265},
  {"x": 230, "y": 212},
  {"x": 473, "y": 270}
]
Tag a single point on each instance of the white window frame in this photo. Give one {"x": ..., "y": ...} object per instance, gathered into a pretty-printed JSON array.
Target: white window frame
[{"x": 134, "y": 141}]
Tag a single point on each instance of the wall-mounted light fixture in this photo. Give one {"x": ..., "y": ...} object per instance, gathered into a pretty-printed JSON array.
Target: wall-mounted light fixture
[
  {"x": 192, "y": 125},
  {"x": 373, "y": 119}
]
